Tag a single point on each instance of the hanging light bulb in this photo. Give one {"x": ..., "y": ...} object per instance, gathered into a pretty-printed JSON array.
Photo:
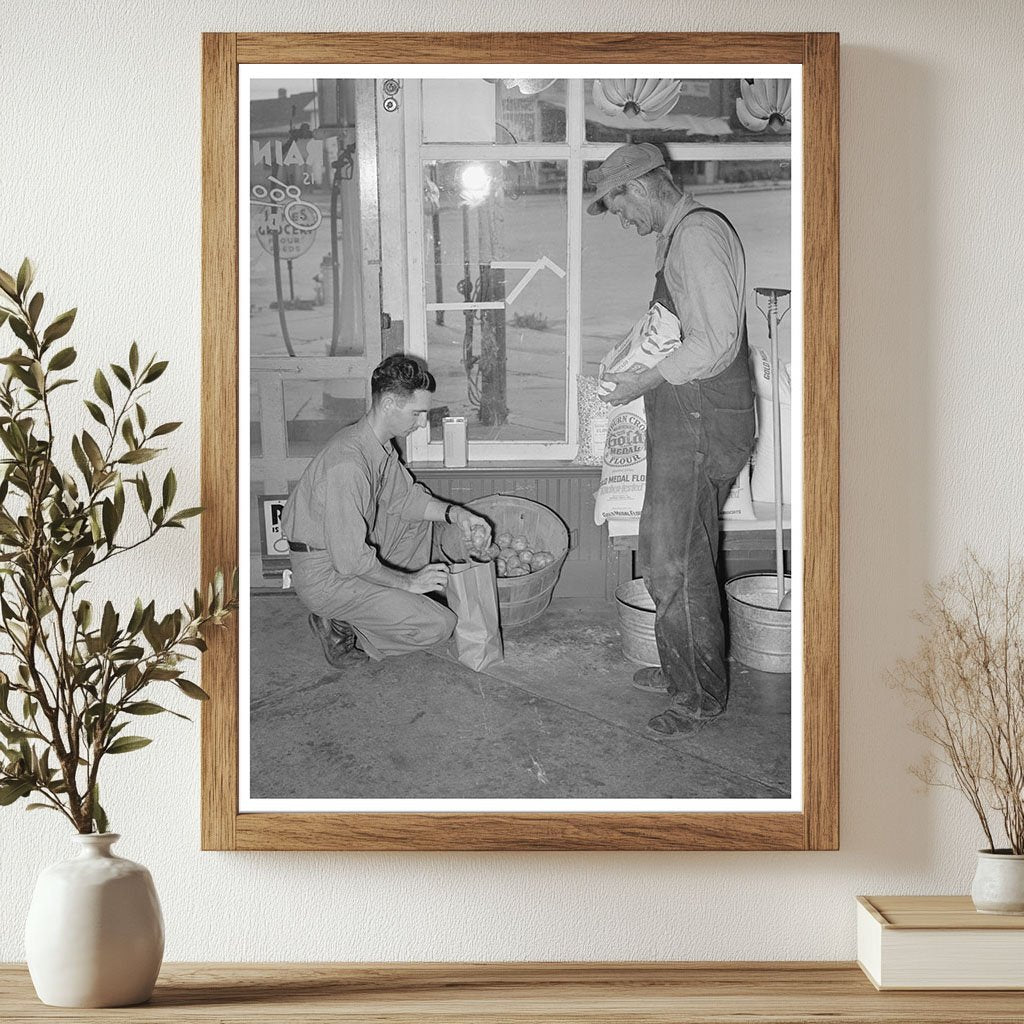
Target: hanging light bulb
[{"x": 475, "y": 184}]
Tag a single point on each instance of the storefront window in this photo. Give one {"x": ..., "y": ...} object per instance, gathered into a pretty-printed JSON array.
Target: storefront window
[
  {"x": 483, "y": 218},
  {"x": 305, "y": 283},
  {"x": 619, "y": 265},
  {"x": 495, "y": 252},
  {"x": 255, "y": 420},
  {"x": 314, "y": 410},
  {"x": 498, "y": 111}
]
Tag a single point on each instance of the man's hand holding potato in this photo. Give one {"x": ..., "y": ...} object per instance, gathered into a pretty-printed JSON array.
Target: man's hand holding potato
[{"x": 475, "y": 529}]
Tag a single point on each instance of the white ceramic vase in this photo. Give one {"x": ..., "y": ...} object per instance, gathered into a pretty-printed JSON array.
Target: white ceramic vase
[
  {"x": 999, "y": 883},
  {"x": 95, "y": 934}
]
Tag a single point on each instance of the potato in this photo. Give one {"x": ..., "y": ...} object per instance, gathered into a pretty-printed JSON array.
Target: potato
[
  {"x": 492, "y": 552},
  {"x": 526, "y": 556},
  {"x": 513, "y": 562},
  {"x": 500, "y": 564},
  {"x": 520, "y": 543},
  {"x": 503, "y": 540},
  {"x": 541, "y": 559},
  {"x": 506, "y": 552}
]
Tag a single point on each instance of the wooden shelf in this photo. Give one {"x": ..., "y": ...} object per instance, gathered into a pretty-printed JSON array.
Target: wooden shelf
[{"x": 623, "y": 993}]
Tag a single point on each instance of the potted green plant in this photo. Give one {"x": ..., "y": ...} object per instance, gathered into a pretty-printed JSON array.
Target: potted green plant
[
  {"x": 80, "y": 671},
  {"x": 967, "y": 681}
]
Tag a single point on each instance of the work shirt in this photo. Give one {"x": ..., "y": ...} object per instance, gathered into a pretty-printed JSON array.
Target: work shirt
[
  {"x": 337, "y": 502},
  {"x": 705, "y": 273}
]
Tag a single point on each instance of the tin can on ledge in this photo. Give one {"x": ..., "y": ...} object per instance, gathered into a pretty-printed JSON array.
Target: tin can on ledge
[{"x": 456, "y": 446}]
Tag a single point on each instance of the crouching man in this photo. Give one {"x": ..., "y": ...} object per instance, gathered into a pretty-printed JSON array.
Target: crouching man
[{"x": 359, "y": 530}]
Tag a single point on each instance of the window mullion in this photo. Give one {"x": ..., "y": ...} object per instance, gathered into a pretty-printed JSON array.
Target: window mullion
[
  {"x": 488, "y": 151},
  {"x": 574, "y": 129},
  {"x": 419, "y": 440}
]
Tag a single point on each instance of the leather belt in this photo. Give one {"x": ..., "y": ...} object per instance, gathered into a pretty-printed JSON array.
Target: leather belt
[{"x": 295, "y": 545}]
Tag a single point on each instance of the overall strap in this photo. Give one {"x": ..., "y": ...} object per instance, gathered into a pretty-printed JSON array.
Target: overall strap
[
  {"x": 738, "y": 366},
  {"x": 661, "y": 292}
]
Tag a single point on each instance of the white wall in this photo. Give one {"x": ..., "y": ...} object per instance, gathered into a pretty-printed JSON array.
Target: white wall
[{"x": 100, "y": 183}]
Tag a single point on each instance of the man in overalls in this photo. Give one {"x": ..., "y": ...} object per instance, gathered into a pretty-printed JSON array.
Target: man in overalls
[{"x": 700, "y": 427}]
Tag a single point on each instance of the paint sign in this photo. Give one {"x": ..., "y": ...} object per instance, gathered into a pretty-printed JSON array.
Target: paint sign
[
  {"x": 280, "y": 212},
  {"x": 292, "y": 242},
  {"x": 289, "y": 153},
  {"x": 272, "y": 540}
]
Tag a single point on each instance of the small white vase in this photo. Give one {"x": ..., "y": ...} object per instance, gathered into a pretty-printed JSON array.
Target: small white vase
[
  {"x": 95, "y": 934},
  {"x": 999, "y": 882}
]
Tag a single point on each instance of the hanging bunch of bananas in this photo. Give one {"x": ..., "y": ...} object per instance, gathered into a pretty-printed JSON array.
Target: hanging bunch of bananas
[
  {"x": 646, "y": 98},
  {"x": 764, "y": 104}
]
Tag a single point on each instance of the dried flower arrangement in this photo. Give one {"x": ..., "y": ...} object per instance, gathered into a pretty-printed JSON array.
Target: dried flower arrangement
[{"x": 967, "y": 678}]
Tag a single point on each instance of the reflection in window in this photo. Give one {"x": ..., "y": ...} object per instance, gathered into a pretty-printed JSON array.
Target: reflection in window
[
  {"x": 315, "y": 410},
  {"x": 618, "y": 265},
  {"x": 687, "y": 110},
  {"x": 505, "y": 111},
  {"x": 495, "y": 237},
  {"x": 256, "y": 488},
  {"x": 304, "y": 221},
  {"x": 255, "y": 421}
]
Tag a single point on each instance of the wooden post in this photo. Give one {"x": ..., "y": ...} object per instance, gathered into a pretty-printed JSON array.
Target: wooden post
[{"x": 493, "y": 364}]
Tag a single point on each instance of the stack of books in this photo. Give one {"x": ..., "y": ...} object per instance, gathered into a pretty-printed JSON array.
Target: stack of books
[{"x": 938, "y": 942}]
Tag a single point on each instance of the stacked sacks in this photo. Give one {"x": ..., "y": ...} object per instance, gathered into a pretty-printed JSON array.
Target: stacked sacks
[
  {"x": 762, "y": 478},
  {"x": 624, "y": 473},
  {"x": 624, "y": 470}
]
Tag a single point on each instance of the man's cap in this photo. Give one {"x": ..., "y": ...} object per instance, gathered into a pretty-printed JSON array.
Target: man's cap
[{"x": 625, "y": 164}]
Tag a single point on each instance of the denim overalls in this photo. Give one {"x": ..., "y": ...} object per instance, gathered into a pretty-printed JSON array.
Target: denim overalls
[{"x": 699, "y": 437}]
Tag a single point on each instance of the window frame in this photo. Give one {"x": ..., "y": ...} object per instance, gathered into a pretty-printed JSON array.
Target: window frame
[{"x": 576, "y": 151}]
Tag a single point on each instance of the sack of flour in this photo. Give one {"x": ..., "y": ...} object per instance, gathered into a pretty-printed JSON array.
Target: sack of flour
[
  {"x": 624, "y": 469},
  {"x": 762, "y": 477},
  {"x": 739, "y": 503},
  {"x": 651, "y": 338}
]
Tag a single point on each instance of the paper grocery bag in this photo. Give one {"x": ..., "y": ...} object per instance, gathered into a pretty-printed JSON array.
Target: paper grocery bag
[{"x": 472, "y": 594}]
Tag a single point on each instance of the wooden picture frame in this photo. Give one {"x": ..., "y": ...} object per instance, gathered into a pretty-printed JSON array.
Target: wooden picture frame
[{"x": 816, "y": 826}]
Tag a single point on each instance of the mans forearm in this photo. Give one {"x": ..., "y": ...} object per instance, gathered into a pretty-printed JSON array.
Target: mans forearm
[
  {"x": 630, "y": 386},
  {"x": 434, "y": 512},
  {"x": 649, "y": 378},
  {"x": 386, "y": 577},
  {"x": 438, "y": 511}
]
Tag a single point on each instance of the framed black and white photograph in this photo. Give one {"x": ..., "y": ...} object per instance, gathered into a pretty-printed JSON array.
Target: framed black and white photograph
[{"x": 520, "y": 360}]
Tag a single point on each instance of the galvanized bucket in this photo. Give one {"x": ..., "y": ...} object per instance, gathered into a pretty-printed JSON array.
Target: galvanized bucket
[
  {"x": 759, "y": 631},
  {"x": 636, "y": 623}
]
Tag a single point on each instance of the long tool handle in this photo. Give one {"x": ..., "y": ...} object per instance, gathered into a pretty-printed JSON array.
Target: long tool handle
[{"x": 773, "y": 332}]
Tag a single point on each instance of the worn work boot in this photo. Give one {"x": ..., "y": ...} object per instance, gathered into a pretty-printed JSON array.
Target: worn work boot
[
  {"x": 650, "y": 680},
  {"x": 338, "y": 640},
  {"x": 670, "y": 725}
]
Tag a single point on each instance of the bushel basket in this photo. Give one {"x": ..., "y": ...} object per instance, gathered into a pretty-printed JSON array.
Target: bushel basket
[{"x": 521, "y": 599}]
